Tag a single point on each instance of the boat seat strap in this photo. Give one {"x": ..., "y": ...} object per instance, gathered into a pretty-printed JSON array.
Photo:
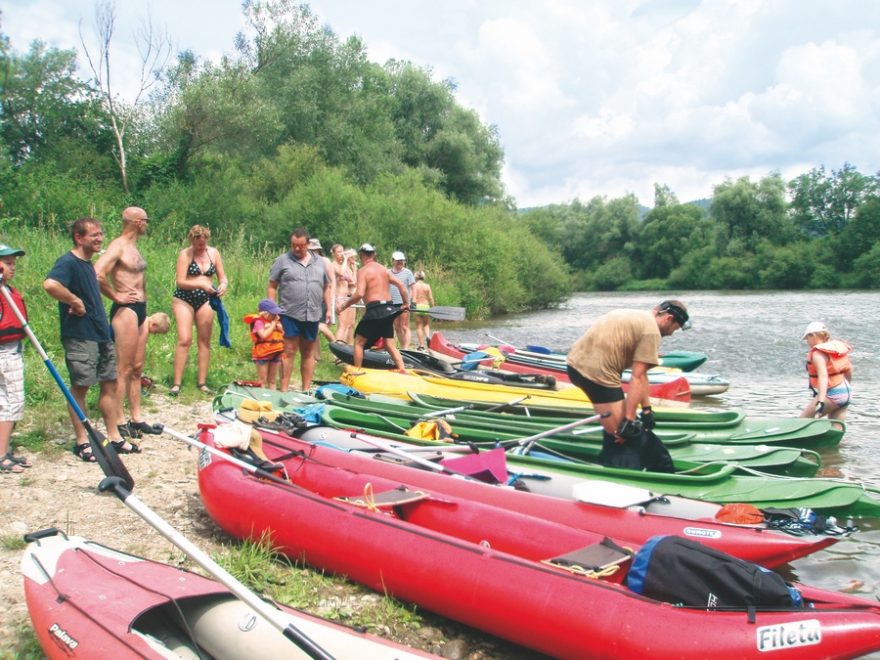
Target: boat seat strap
[
  {"x": 385, "y": 500},
  {"x": 596, "y": 560}
]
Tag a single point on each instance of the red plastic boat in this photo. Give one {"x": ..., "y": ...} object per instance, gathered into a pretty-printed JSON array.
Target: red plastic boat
[
  {"x": 676, "y": 389},
  {"x": 501, "y": 571},
  {"x": 630, "y": 524},
  {"x": 89, "y": 601}
]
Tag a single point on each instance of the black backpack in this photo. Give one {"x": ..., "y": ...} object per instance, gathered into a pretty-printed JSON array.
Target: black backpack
[{"x": 681, "y": 571}]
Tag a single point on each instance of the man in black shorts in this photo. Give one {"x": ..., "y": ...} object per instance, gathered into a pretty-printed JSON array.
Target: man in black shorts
[
  {"x": 373, "y": 281},
  {"x": 85, "y": 333},
  {"x": 620, "y": 340}
]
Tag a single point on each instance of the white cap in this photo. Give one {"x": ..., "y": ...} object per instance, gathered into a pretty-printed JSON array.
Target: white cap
[
  {"x": 398, "y": 256},
  {"x": 366, "y": 247},
  {"x": 814, "y": 327}
]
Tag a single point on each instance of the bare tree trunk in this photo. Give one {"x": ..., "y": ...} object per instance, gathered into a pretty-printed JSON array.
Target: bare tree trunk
[{"x": 154, "y": 50}]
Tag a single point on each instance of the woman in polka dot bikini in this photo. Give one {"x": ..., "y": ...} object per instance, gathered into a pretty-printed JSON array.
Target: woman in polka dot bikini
[{"x": 197, "y": 266}]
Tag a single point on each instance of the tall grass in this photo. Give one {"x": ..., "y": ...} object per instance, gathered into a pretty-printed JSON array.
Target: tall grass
[{"x": 247, "y": 269}]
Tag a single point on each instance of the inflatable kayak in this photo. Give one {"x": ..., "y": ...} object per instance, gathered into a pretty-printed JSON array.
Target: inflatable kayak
[
  {"x": 585, "y": 442},
  {"x": 632, "y": 515},
  {"x": 557, "y": 590},
  {"x": 86, "y": 600}
]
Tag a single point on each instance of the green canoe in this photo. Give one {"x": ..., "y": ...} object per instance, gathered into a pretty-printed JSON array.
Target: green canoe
[
  {"x": 585, "y": 442},
  {"x": 710, "y": 482},
  {"x": 727, "y": 426}
]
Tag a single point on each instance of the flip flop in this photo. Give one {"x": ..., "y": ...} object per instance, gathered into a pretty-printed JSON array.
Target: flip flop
[{"x": 175, "y": 390}]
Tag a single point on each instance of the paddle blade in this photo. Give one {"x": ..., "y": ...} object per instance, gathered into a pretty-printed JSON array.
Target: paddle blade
[
  {"x": 447, "y": 313},
  {"x": 108, "y": 459}
]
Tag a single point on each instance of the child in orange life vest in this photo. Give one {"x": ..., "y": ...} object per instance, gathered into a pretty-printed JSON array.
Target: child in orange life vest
[
  {"x": 11, "y": 364},
  {"x": 267, "y": 335},
  {"x": 830, "y": 373}
]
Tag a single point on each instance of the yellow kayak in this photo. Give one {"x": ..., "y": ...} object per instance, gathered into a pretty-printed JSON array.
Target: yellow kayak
[{"x": 399, "y": 385}]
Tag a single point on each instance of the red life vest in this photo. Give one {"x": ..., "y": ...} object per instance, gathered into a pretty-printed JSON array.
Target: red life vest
[
  {"x": 837, "y": 352},
  {"x": 264, "y": 349},
  {"x": 11, "y": 328}
]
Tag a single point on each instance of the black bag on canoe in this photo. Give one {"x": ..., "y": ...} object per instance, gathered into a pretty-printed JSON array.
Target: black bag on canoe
[
  {"x": 681, "y": 571},
  {"x": 646, "y": 453}
]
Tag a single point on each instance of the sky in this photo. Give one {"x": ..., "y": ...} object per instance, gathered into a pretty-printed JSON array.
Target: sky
[{"x": 589, "y": 97}]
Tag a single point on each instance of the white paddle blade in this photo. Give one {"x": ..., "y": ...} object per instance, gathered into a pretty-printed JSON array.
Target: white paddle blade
[{"x": 607, "y": 493}]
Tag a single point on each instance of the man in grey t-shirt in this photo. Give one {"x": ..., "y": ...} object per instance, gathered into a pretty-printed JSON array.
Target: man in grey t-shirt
[
  {"x": 302, "y": 284},
  {"x": 401, "y": 272}
]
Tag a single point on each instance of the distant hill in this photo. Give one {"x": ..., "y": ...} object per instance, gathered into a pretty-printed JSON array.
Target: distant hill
[{"x": 702, "y": 203}]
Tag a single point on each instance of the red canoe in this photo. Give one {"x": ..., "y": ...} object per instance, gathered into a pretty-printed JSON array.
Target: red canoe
[
  {"x": 676, "y": 389},
  {"x": 501, "y": 571},
  {"x": 629, "y": 525},
  {"x": 89, "y": 601}
]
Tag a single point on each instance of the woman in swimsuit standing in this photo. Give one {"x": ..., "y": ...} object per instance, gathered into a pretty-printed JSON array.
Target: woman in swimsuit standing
[
  {"x": 344, "y": 272},
  {"x": 197, "y": 266}
]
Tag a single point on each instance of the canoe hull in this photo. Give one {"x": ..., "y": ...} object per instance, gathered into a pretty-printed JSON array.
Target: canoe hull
[{"x": 483, "y": 566}]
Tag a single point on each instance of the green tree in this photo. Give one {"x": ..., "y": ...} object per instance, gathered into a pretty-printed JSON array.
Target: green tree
[
  {"x": 860, "y": 235},
  {"x": 824, "y": 204},
  {"x": 747, "y": 212},
  {"x": 669, "y": 233}
]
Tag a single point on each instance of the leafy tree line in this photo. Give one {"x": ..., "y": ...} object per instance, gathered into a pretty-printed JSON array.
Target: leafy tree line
[
  {"x": 820, "y": 230},
  {"x": 295, "y": 128}
]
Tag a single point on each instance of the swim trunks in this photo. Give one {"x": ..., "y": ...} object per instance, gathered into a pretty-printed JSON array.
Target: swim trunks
[{"x": 139, "y": 308}]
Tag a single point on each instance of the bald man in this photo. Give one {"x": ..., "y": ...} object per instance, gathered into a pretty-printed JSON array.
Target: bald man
[{"x": 121, "y": 272}]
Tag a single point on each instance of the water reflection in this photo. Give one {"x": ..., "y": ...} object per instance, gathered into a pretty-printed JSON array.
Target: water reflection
[{"x": 754, "y": 341}]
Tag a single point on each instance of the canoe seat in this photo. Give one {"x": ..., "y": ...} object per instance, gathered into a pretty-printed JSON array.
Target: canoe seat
[
  {"x": 596, "y": 560},
  {"x": 385, "y": 500}
]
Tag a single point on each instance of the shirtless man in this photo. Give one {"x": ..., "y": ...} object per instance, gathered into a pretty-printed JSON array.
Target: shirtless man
[
  {"x": 121, "y": 272},
  {"x": 373, "y": 282}
]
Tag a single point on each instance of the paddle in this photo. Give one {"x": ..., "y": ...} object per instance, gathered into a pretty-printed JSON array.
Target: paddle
[
  {"x": 524, "y": 445},
  {"x": 106, "y": 456},
  {"x": 438, "y": 312},
  {"x": 117, "y": 484}
]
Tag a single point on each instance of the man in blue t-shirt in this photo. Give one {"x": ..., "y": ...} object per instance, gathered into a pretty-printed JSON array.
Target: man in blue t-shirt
[{"x": 85, "y": 333}]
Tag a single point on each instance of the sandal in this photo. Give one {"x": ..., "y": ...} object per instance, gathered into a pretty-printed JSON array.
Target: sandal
[
  {"x": 10, "y": 466},
  {"x": 175, "y": 390},
  {"x": 119, "y": 446},
  {"x": 19, "y": 460},
  {"x": 84, "y": 453},
  {"x": 143, "y": 427},
  {"x": 204, "y": 389}
]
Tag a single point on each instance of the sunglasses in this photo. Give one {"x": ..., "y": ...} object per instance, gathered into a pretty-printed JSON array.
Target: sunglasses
[{"x": 680, "y": 315}]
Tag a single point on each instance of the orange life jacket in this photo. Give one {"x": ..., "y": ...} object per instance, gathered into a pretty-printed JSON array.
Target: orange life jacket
[
  {"x": 11, "y": 328},
  {"x": 264, "y": 349},
  {"x": 838, "y": 362}
]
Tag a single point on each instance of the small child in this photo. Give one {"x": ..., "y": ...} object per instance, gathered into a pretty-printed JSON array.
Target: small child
[
  {"x": 159, "y": 323},
  {"x": 267, "y": 335},
  {"x": 11, "y": 364}
]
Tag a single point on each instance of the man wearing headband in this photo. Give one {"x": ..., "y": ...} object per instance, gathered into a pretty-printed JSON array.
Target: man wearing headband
[{"x": 620, "y": 340}]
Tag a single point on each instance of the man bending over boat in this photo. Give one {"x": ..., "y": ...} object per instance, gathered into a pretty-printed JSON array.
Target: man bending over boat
[
  {"x": 373, "y": 281},
  {"x": 620, "y": 340}
]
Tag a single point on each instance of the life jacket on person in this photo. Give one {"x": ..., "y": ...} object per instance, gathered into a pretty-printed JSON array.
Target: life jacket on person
[
  {"x": 264, "y": 349},
  {"x": 11, "y": 328},
  {"x": 838, "y": 362}
]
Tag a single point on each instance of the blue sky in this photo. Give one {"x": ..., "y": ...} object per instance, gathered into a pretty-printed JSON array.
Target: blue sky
[{"x": 600, "y": 97}]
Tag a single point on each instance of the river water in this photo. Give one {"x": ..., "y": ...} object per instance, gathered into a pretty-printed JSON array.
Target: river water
[{"x": 754, "y": 341}]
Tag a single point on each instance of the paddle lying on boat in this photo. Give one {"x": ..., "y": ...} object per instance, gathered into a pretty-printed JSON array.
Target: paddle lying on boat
[
  {"x": 439, "y": 312},
  {"x": 496, "y": 569}
]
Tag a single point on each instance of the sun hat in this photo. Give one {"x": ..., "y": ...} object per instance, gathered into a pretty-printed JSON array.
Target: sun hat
[
  {"x": 814, "y": 328},
  {"x": 314, "y": 244},
  {"x": 269, "y": 305},
  {"x": 7, "y": 251},
  {"x": 398, "y": 256},
  {"x": 366, "y": 247}
]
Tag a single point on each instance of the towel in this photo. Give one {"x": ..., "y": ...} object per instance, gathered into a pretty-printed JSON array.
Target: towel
[{"x": 223, "y": 320}]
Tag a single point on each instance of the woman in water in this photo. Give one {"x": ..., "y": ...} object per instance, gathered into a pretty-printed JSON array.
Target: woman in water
[{"x": 830, "y": 373}]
